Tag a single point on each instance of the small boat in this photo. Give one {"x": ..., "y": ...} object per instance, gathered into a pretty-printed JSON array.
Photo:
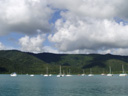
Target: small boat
[
  {"x": 60, "y": 74},
  {"x": 102, "y": 74},
  {"x": 63, "y": 74},
  {"x": 90, "y": 73},
  {"x": 68, "y": 75},
  {"x": 46, "y": 75},
  {"x": 123, "y": 73},
  {"x": 83, "y": 73},
  {"x": 32, "y": 75},
  {"x": 13, "y": 74},
  {"x": 109, "y": 72}
]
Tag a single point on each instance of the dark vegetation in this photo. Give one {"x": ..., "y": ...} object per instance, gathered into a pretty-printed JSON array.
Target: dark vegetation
[{"x": 23, "y": 63}]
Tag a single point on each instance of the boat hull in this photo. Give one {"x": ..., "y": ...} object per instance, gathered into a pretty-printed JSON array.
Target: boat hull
[
  {"x": 90, "y": 75},
  {"x": 109, "y": 74},
  {"x": 59, "y": 76},
  {"x": 122, "y": 74}
]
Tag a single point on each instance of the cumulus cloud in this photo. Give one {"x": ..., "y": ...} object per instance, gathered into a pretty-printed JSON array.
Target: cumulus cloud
[
  {"x": 84, "y": 26},
  {"x": 90, "y": 30},
  {"x": 50, "y": 49},
  {"x": 120, "y": 51},
  {"x": 26, "y": 16},
  {"x": 2, "y": 47},
  {"x": 93, "y": 8},
  {"x": 35, "y": 44},
  {"x": 77, "y": 33},
  {"x": 32, "y": 44},
  {"x": 115, "y": 51}
]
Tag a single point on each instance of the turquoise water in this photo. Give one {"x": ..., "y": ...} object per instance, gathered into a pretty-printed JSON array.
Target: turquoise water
[{"x": 24, "y": 85}]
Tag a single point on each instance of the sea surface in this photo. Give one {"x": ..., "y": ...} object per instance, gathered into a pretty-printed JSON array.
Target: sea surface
[{"x": 24, "y": 85}]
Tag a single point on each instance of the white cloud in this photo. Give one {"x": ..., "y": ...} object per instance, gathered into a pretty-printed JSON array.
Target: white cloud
[
  {"x": 35, "y": 44},
  {"x": 93, "y": 8},
  {"x": 32, "y": 44},
  {"x": 2, "y": 47},
  {"x": 76, "y": 33},
  {"x": 86, "y": 26},
  {"x": 120, "y": 51},
  {"x": 26, "y": 16},
  {"x": 50, "y": 49},
  {"x": 115, "y": 51}
]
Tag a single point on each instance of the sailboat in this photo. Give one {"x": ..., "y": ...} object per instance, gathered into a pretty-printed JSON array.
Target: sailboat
[
  {"x": 83, "y": 73},
  {"x": 13, "y": 74},
  {"x": 109, "y": 72},
  {"x": 32, "y": 75},
  {"x": 123, "y": 73},
  {"x": 90, "y": 73},
  {"x": 103, "y": 73},
  {"x": 63, "y": 74},
  {"x": 68, "y": 75},
  {"x": 60, "y": 74},
  {"x": 46, "y": 75}
]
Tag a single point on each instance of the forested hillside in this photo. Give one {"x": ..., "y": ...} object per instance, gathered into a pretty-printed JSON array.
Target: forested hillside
[{"x": 23, "y": 62}]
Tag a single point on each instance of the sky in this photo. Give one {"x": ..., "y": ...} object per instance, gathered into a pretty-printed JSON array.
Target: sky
[{"x": 64, "y": 26}]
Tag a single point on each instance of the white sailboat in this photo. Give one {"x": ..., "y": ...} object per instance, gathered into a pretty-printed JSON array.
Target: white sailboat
[
  {"x": 46, "y": 75},
  {"x": 32, "y": 75},
  {"x": 90, "y": 73},
  {"x": 123, "y": 73},
  {"x": 13, "y": 74},
  {"x": 109, "y": 72},
  {"x": 60, "y": 74},
  {"x": 68, "y": 75},
  {"x": 83, "y": 73},
  {"x": 63, "y": 74},
  {"x": 103, "y": 73}
]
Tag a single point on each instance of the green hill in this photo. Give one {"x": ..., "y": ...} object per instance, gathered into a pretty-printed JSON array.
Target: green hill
[
  {"x": 78, "y": 62},
  {"x": 23, "y": 62},
  {"x": 20, "y": 62}
]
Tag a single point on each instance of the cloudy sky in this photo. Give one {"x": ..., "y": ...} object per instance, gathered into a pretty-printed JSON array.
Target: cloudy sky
[{"x": 64, "y": 26}]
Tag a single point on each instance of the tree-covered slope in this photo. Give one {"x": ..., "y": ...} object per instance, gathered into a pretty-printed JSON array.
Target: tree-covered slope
[
  {"x": 20, "y": 62},
  {"x": 23, "y": 62},
  {"x": 78, "y": 62}
]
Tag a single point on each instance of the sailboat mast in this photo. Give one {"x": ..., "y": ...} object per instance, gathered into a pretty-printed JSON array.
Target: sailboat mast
[
  {"x": 60, "y": 69},
  {"x": 83, "y": 71},
  {"x": 110, "y": 69},
  {"x": 69, "y": 71},
  {"x": 123, "y": 68},
  {"x": 90, "y": 71},
  {"x": 103, "y": 70},
  {"x": 47, "y": 70},
  {"x": 63, "y": 72}
]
